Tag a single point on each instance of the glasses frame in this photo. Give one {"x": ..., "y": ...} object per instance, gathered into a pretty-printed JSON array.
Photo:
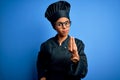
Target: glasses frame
[{"x": 61, "y": 24}]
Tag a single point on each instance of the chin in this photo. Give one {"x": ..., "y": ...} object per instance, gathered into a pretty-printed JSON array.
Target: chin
[{"x": 64, "y": 35}]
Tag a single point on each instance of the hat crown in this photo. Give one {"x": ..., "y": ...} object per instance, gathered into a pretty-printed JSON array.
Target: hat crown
[{"x": 55, "y": 8}]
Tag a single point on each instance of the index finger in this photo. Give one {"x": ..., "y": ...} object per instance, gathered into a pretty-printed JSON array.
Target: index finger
[
  {"x": 74, "y": 44},
  {"x": 70, "y": 44}
]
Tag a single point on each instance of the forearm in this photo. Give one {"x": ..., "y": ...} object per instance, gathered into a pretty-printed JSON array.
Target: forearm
[{"x": 79, "y": 68}]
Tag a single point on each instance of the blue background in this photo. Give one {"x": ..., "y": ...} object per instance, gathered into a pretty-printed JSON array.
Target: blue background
[{"x": 23, "y": 28}]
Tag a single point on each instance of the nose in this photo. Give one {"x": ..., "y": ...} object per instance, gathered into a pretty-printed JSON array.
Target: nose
[{"x": 63, "y": 26}]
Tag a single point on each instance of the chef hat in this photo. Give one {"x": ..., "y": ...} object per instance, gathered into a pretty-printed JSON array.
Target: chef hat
[{"x": 57, "y": 10}]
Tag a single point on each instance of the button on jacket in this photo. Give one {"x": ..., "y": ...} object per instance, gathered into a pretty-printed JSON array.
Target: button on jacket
[{"x": 54, "y": 61}]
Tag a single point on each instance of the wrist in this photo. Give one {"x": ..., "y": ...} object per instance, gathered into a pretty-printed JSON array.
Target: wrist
[{"x": 75, "y": 59}]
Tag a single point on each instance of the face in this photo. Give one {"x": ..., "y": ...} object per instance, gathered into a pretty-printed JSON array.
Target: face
[{"x": 62, "y": 26}]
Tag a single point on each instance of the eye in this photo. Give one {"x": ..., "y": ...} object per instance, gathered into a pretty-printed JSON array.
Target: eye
[
  {"x": 59, "y": 24},
  {"x": 66, "y": 23}
]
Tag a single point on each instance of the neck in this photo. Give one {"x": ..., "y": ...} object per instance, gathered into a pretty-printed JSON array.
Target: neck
[{"x": 61, "y": 39}]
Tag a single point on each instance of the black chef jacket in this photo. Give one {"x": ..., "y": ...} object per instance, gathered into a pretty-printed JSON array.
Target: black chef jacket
[{"x": 54, "y": 61}]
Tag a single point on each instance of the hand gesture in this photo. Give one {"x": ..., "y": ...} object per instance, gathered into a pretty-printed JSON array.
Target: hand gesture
[
  {"x": 72, "y": 47},
  {"x": 43, "y": 78}
]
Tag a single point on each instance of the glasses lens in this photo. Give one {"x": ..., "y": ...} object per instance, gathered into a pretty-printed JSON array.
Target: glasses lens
[{"x": 60, "y": 24}]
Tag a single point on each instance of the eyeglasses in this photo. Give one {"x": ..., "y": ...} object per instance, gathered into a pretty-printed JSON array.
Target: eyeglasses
[{"x": 61, "y": 24}]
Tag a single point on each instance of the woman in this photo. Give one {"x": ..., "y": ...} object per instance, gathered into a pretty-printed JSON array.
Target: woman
[{"x": 61, "y": 57}]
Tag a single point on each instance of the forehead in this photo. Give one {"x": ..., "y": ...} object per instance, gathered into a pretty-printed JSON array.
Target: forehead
[{"x": 62, "y": 19}]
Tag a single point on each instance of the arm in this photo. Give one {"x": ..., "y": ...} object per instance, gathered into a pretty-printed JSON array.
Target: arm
[
  {"x": 42, "y": 63},
  {"x": 79, "y": 66}
]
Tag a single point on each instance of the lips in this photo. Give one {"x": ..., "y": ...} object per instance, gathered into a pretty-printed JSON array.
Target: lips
[{"x": 65, "y": 31}]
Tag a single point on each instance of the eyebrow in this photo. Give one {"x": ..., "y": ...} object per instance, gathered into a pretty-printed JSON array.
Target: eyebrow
[{"x": 63, "y": 22}]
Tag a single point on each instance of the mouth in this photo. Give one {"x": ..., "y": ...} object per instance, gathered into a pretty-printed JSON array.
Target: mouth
[{"x": 65, "y": 31}]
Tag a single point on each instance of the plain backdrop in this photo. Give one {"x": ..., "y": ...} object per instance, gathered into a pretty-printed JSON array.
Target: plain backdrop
[{"x": 23, "y": 28}]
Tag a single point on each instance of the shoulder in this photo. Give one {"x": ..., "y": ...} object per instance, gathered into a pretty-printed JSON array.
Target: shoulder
[
  {"x": 48, "y": 42},
  {"x": 79, "y": 42}
]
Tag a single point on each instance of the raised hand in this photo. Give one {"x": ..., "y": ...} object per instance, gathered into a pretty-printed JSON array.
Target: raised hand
[
  {"x": 43, "y": 78},
  {"x": 72, "y": 47}
]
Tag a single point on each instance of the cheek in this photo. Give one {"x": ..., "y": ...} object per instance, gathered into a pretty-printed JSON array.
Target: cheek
[
  {"x": 69, "y": 28},
  {"x": 57, "y": 30},
  {"x": 60, "y": 30}
]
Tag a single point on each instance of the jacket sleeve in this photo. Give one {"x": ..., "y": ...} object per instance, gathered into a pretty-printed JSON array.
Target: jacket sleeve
[
  {"x": 80, "y": 68},
  {"x": 42, "y": 62}
]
